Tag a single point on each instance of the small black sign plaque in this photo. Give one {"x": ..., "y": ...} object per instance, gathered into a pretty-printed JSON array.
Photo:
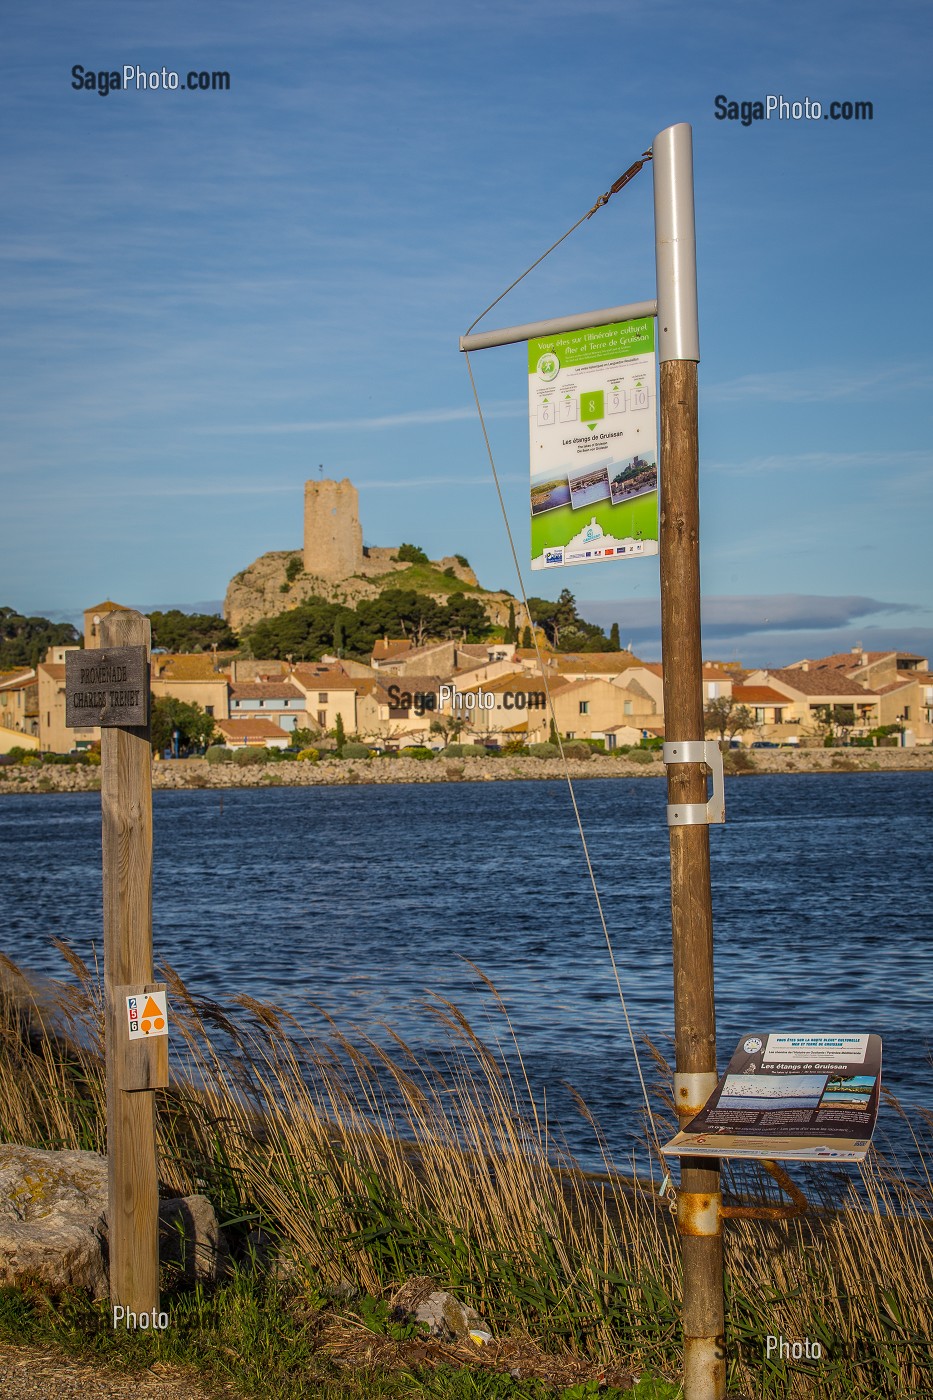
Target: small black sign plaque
[{"x": 109, "y": 687}]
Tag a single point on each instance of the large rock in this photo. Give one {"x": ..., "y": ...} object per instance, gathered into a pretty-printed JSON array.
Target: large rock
[
  {"x": 51, "y": 1209},
  {"x": 53, "y": 1223}
]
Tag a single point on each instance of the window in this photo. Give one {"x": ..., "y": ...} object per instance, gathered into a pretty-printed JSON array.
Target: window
[
  {"x": 584, "y": 707},
  {"x": 610, "y": 741},
  {"x": 907, "y": 712},
  {"x": 626, "y": 707},
  {"x": 209, "y": 710},
  {"x": 261, "y": 703},
  {"x": 571, "y": 734},
  {"x": 322, "y": 718},
  {"x": 322, "y": 697}
]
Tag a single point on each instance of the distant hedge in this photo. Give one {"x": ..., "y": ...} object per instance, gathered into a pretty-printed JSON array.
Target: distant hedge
[
  {"x": 249, "y": 755},
  {"x": 544, "y": 750},
  {"x": 217, "y": 753}
]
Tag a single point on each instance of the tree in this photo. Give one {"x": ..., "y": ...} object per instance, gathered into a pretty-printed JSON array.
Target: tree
[
  {"x": 723, "y": 717},
  {"x": 834, "y": 722},
  {"x": 614, "y": 643},
  {"x": 195, "y": 727},
  {"x": 511, "y": 633},
  {"x": 466, "y": 617},
  {"x": 411, "y": 554},
  {"x": 450, "y": 726},
  {"x": 178, "y": 631},
  {"x": 24, "y": 641},
  {"x": 563, "y": 626},
  {"x": 552, "y": 737},
  {"x": 340, "y": 734},
  {"x": 527, "y": 639}
]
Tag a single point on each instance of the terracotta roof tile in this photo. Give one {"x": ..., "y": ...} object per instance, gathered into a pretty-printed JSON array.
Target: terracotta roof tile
[{"x": 266, "y": 690}]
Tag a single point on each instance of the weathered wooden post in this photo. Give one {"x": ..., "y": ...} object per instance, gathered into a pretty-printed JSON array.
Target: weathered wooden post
[
  {"x": 109, "y": 686},
  {"x": 699, "y": 1199}
]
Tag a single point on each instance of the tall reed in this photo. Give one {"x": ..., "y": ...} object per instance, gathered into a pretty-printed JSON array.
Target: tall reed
[{"x": 369, "y": 1164}]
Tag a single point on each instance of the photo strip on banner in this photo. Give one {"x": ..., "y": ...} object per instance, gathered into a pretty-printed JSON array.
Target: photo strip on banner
[{"x": 592, "y": 409}]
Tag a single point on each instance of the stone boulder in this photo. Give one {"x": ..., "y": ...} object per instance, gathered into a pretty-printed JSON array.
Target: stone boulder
[
  {"x": 51, "y": 1210},
  {"x": 191, "y": 1239},
  {"x": 53, "y": 1224}
]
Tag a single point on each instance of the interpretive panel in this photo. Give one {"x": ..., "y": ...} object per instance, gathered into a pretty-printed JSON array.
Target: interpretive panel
[
  {"x": 796, "y": 1097},
  {"x": 594, "y": 445}
]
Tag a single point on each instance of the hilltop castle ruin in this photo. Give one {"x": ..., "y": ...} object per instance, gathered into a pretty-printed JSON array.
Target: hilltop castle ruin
[
  {"x": 333, "y": 541},
  {"x": 333, "y": 563}
]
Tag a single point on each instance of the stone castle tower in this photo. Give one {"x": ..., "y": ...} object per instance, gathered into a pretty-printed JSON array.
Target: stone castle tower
[{"x": 333, "y": 543}]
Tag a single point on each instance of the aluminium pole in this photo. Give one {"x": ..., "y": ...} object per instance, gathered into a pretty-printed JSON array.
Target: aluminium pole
[{"x": 699, "y": 1199}]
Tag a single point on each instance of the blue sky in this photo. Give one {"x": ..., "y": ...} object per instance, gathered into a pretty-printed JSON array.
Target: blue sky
[{"x": 207, "y": 295}]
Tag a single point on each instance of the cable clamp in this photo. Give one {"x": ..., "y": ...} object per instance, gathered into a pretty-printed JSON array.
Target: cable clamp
[{"x": 697, "y": 813}]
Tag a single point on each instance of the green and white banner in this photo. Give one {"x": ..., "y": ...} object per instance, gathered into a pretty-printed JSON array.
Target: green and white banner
[{"x": 594, "y": 445}]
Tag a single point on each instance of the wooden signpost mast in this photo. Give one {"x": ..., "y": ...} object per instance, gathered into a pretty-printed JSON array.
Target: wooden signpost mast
[
  {"x": 108, "y": 685},
  {"x": 134, "y": 1067},
  {"x": 698, "y": 1200}
]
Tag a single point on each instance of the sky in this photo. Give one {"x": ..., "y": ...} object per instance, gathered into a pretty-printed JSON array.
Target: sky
[{"x": 208, "y": 295}]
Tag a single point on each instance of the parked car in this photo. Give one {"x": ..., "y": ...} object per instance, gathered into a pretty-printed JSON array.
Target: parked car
[{"x": 764, "y": 744}]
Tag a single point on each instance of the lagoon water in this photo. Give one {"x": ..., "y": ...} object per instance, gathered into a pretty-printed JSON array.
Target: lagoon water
[{"x": 359, "y": 899}]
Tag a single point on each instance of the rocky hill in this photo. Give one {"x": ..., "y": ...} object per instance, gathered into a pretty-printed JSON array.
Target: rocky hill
[{"x": 276, "y": 582}]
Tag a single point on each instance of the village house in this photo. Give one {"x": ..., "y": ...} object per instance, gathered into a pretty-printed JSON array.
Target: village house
[
  {"x": 197, "y": 678},
  {"x": 255, "y": 732},
  {"x": 19, "y": 709},
  {"x": 279, "y": 700},
  {"x": 814, "y": 691}
]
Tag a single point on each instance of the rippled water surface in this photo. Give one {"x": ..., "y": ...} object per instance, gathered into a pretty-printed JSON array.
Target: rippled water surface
[{"x": 358, "y": 899}]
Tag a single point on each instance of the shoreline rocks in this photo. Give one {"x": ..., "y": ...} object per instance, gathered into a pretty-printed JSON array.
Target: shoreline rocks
[{"x": 198, "y": 773}]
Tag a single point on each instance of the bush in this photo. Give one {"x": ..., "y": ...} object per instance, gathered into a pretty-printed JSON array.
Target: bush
[
  {"x": 411, "y": 554},
  {"x": 31, "y": 760},
  {"x": 515, "y": 746},
  {"x": 217, "y": 753},
  {"x": 738, "y": 761},
  {"x": 452, "y": 751},
  {"x": 356, "y": 751},
  {"x": 417, "y": 752},
  {"x": 640, "y": 756},
  {"x": 308, "y": 755},
  {"x": 17, "y": 753},
  {"x": 473, "y": 750},
  {"x": 294, "y": 567},
  {"x": 577, "y": 749},
  {"x": 244, "y": 757},
  {"x": 544, "y": 750}
]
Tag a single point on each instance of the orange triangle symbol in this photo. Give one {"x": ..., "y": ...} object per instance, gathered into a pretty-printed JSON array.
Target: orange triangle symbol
[{"x": 151, "y": 1009}]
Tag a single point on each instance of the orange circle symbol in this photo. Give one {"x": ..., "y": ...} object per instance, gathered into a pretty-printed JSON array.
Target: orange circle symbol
[
  {"x": 144, "y": 1025},
  {"x": 158, "y": 1023}
]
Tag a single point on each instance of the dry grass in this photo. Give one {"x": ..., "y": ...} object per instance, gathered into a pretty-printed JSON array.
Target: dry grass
[{"x": 368, "y": 1167}]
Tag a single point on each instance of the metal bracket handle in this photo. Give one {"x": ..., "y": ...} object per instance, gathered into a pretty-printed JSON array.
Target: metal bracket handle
[{"x": 697, "y": 813}]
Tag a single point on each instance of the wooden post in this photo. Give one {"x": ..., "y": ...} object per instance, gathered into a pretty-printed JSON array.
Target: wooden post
[
  {"x": 699, "y": 1198},
  {"x": 132, "y": 1067}
]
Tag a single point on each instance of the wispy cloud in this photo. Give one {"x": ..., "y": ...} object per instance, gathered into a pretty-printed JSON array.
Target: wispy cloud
[
  {"x": 510, "y": 408},
  {"x": 819, "y": 385},
  {"x": 776, "y": 462}
]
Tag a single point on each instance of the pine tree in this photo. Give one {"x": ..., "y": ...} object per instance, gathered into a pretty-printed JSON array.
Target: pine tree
[
  {"x": 511, "y": 633},
  {"x": 527, "y": 640},
  {"x": 340, "y": 734},
  {"x": 552, "y": 736},
  {"x": 614, "y": 643}
]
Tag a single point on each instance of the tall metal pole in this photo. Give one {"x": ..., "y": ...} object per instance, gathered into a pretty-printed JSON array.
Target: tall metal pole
[{"x": 699, "y": 1199}]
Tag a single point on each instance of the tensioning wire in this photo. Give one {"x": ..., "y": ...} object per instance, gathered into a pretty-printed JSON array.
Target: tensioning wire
[{"x": 623, "y": 180}]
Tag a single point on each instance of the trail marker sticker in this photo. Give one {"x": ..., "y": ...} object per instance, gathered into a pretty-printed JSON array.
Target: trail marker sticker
[{"x": 147, "y": 1015}]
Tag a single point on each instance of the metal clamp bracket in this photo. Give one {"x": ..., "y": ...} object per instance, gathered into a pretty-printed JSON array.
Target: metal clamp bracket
[{"x": 697, "y": 813}]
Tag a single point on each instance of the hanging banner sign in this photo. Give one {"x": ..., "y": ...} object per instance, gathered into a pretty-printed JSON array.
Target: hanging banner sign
[
  {"x": 801, "y": 1098},
  {"x": 594, "y": 445}
]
